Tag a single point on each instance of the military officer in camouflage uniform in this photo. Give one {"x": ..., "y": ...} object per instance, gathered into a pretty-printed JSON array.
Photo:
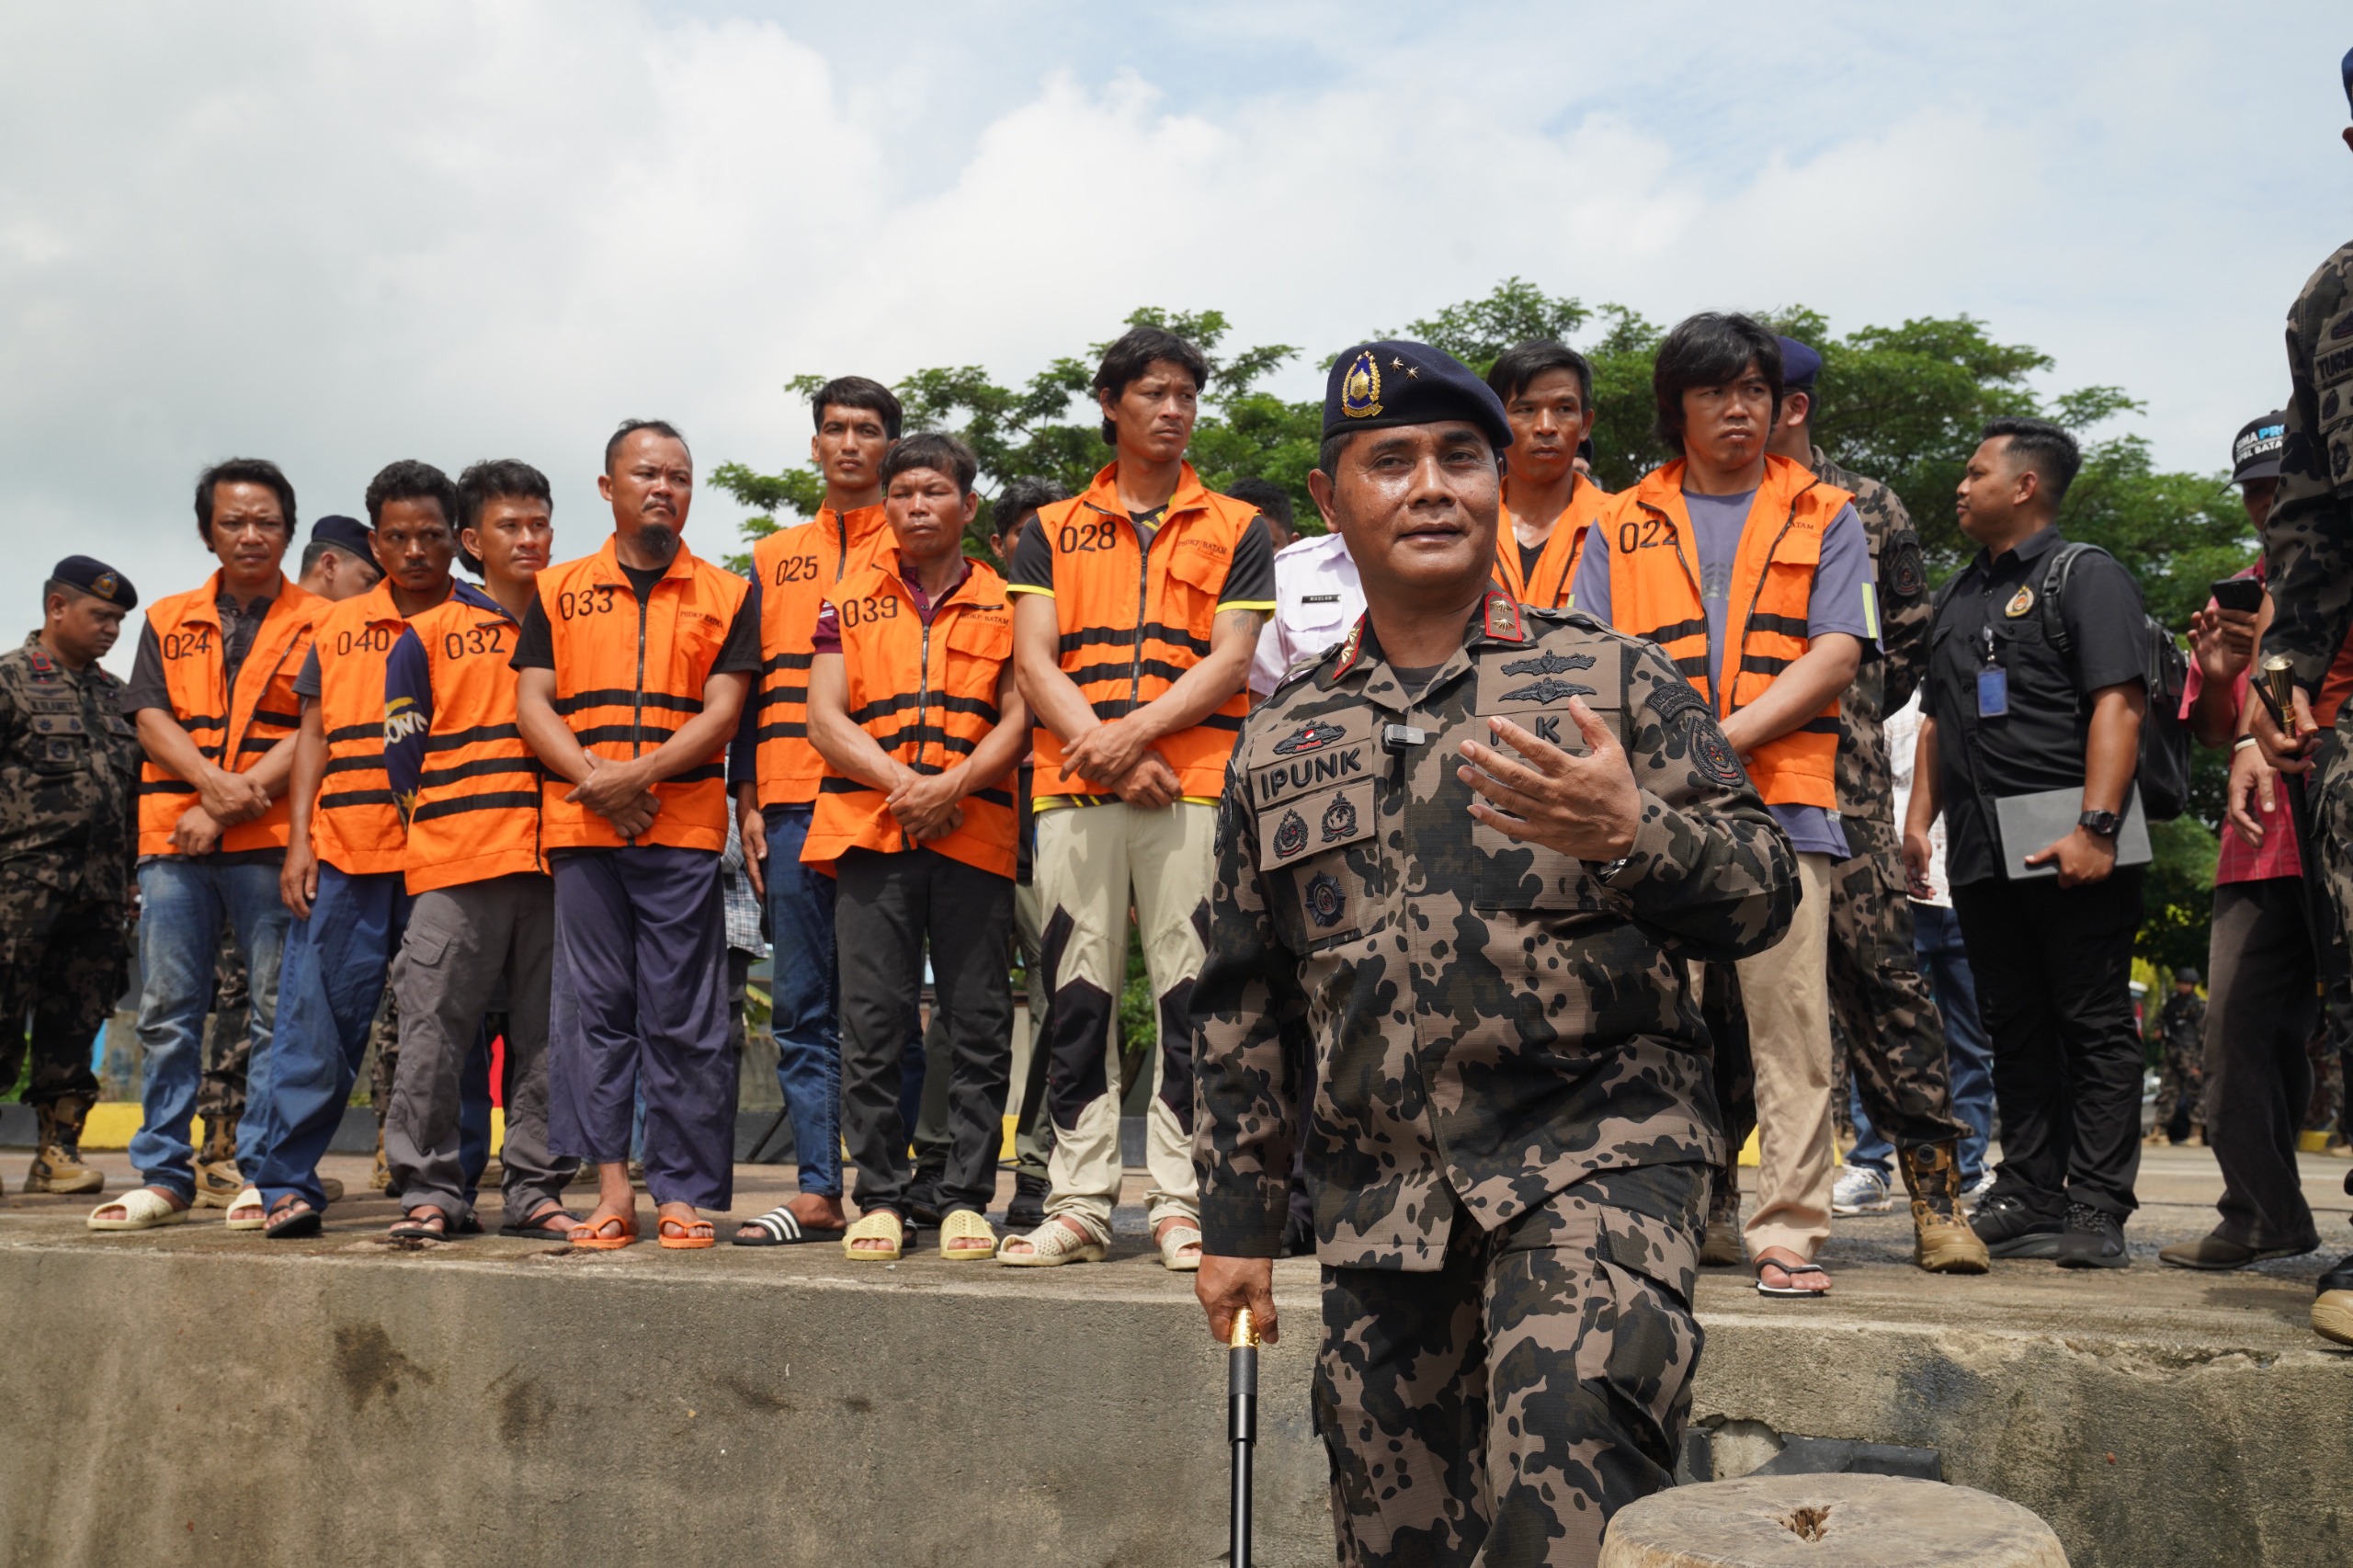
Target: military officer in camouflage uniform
[
  {"x": 2308, "y": 561},
  {"x": 1895, "y": 1034},
  {"x": 69, "y": 761},
  {"x": 1469, "y": 852},
  {"x": 2181, "y": 1072}
]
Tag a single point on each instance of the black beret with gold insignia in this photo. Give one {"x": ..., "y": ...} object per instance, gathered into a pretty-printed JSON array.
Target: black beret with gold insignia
[
  {"x": 1379, "y": 384},
  {"x": 96, "y": 579}
]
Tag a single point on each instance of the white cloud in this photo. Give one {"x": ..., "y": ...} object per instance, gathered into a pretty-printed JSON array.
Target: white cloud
[{"x": 342, "y": 235}]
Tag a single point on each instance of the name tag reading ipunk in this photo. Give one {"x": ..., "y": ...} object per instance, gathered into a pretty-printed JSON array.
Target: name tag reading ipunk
[{"x": 1992, "y": 692}]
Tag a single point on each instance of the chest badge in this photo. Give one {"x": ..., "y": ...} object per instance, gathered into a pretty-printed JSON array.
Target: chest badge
[
  {"x": 1325, "y": 901},
  {"x": 2020, "y": 602},
  {"x": 1291, "y": 835},
  {"x": 1309, "y": 736},
  {"x": 1339, "y": 819}
]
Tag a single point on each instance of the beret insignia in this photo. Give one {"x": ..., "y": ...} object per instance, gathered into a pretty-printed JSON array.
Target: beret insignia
[
  {"x": 103, "y": 585},
  {"x": 1309, "y": 736},
  {"x": 1361, "y": 392}
]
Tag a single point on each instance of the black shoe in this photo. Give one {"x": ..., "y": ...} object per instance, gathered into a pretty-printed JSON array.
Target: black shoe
[
  {"x": 2339, "y": 1278},
  {"x": 2009, "y": 1229},
  {"x": 2093, "y": 1239},
  {"x": 922, "y": 1200},
  {"x": 1028, "y": 1210}
]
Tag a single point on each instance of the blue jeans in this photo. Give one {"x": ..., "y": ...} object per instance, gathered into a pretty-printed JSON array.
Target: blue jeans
[
  {"x": 807, "y": 995},
  {"x": 182, "y": 903},
  {"x": 331, "y": 984},
  {"x": 1969, "y": 1054}
]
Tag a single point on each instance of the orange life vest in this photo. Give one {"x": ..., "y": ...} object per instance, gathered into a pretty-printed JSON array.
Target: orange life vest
[
  {"x": 627, "y": 676},
  {"x": 927, "y": 695},
  {"x": 798, "y": 568},
  {"x": 234, "y": 729},
  {"x": 476, "y": 815},
  {"x": 1654, "y": 594},
  {"x": 354, "y": 823},
  {"x": 1132, "y": 623},
  {"x": 1556, "y": 568}
]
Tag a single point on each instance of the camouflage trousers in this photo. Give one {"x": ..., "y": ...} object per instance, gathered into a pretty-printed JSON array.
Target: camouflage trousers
[
  {"x": 1895, "y": 1037},
  {"x": 1502, "y": 1409},
  {"x": 228, "y": 1049},
  {"x": 63, "y": 958},
  {"x": 2181, "y": 1087}
]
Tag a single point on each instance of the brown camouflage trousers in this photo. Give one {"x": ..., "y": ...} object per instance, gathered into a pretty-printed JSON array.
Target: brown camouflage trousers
[
  {"x": 228, "y": 1049},
  {"x": 1499, "y": 1411},
  {"x": 63, "y": 962},
  {"x": 1895, "y": 1037}
]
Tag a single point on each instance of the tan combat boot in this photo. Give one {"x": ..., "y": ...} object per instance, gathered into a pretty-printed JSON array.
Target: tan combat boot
[
  {"x": 58, "y": 1167},
  {"x": 1942, "y": 1240}
]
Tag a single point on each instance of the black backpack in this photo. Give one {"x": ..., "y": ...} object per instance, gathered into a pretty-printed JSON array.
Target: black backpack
[{"x": 2164, "y": 772}]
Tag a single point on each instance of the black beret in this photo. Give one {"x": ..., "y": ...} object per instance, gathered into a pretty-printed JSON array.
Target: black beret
[
  {"x": 344, "y": 533},
  {"x": 1800, "y": 365},
  {"x": 96, "y": 579},
  {"x": 1386, "y": 383}
]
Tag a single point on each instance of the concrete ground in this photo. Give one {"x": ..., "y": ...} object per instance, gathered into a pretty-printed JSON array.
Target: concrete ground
[{"x": 191, "y": 1391}]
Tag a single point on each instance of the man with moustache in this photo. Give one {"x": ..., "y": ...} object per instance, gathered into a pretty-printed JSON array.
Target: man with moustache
[{"x": 1472, "y": 850}]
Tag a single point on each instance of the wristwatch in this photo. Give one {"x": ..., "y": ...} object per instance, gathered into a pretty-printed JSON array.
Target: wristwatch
[{"x": 2104, "y": 823}]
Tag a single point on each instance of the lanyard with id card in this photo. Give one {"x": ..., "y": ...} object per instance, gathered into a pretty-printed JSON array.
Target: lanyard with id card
[{"x": 1993, "y": 680}]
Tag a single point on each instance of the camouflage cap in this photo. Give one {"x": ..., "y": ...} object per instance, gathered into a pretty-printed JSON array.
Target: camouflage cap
[{"x": 96, "y": 579}]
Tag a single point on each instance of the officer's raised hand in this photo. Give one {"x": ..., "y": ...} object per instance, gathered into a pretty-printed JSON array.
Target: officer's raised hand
[{"x": 1584, "y": 806}]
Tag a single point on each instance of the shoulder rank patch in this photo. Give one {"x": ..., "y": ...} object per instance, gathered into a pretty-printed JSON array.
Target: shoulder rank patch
[
  {"x": 2020, "y": 602},
  {"x": 1350, "y": 649},
  {"x": 1309, "y": 736}
]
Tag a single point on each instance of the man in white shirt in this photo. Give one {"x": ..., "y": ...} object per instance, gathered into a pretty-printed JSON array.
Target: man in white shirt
[{"x": 1316, "y": 600}]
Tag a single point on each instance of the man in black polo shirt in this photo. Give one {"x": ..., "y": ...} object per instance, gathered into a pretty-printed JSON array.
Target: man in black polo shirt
[{"x": 2009, "y": 713}]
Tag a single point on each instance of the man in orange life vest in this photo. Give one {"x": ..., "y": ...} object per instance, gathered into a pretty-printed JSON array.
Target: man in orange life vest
[
  {"x": 1547, "y": 390},
  {"x": 212, "y": 693},
  {"x": 342, "y": 877},
  {"x": 1138, "y": 613},
  {"x": 913, "y": 705},
  {"x": 635, "y": 663},
  {"x": 1755, "y": 578},
  {"x": 775, "y": 771},
  {"x": 482, "y": 924}
]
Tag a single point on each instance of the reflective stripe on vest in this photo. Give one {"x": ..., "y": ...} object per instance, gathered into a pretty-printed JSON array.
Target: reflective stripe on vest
[
  {"x": 927, "y": 695},
  {"x": 1654, "y": 593},
  {"x": 1132, "y": 623},
  {"x": 627, "y": 676},
  {"x": 354, "y": 823},
  {"x": 235, "y": 730},
  {"x": 798, "y": 568},
  {"x": 477, "y": 811},
  {"x": 1556, "y": 568}
]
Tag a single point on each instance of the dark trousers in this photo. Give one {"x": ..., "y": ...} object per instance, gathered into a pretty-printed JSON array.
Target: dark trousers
[
  {"x": 2054, "y": 968},
  {"x": 889, "y": 908},
  {"x": 2261, "y": 1010},
  {"x": 641, "y": 1001}
]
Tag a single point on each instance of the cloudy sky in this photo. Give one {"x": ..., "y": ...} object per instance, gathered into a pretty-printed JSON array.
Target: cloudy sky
[{"x": 339, "y": 235}]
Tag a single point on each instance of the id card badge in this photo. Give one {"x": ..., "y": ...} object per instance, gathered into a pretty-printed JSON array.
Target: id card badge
[{"x": 1992, "y": 692}]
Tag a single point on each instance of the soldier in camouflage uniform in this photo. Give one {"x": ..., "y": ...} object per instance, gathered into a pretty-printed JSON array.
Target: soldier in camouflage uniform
[
  {"x": 69, "y": 761},
  {"x": 1509, "y": 1144},
  {"x": 2308, "y": 562},
  {"x": 2181, "y": 1072}
]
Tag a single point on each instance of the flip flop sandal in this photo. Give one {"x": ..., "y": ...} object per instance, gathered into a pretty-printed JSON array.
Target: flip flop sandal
[
  {"x": 286, "y": 1221},
  {"x": 1172, "y": 1242},
  {"x": 142, "y": 1210},
  {"x": 691, "y": 1234},
  {"x": 1792, "y": 1270},
  {"x": 965, "y": 1226},
  {"x": 1052, "y": 1244},
  {"x": 779, "y": 1227},
  {"x": 411, "y": 1228},
  {"x": 553, "y": 1224},
  {"x": 595, "y": 1239},
  {"x": 880, "y": 1226},
  {"x": 248, "y": 1198}
]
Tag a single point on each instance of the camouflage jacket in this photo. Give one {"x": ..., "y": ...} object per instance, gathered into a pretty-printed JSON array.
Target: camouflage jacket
[
  {"x": 1490, "y": 1020},
  {"x": 2181, "y": 1024},
  {"x": 1884, "y": 684},
  {"x": 2308, "y": 539},
  {"x": 68, "y": 763}
]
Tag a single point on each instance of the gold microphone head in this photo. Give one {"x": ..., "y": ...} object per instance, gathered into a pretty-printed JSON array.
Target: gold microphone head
[
  {"x": 2280, "y": 682},
  {"x": 1245, "y": 1332}
]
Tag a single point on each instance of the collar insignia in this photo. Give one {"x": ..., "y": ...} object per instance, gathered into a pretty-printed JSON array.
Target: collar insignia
[
  {"x": 1360, "y": 389},
  {"x": 1309, "y": 736},
  {"x": 1502, "y": 619}
]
